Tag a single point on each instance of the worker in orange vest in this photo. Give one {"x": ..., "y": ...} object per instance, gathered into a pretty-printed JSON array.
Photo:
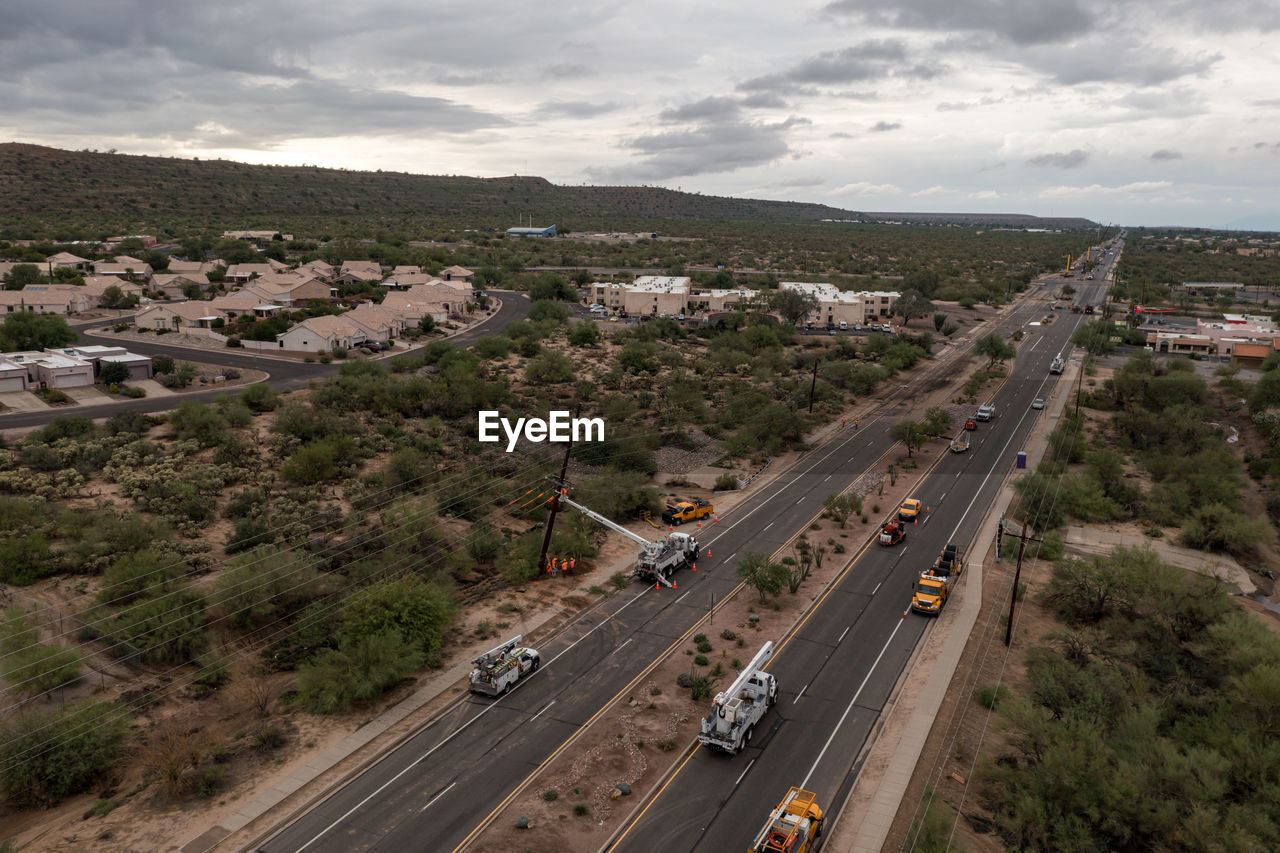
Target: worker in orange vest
[
  {"x": 572, "y": 563},
  {"x": 551, "y": 567}
]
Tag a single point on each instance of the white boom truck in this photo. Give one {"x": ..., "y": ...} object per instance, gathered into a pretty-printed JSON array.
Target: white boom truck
[
  {"x": 498, "y": 669},
  {"x": 735, "y": 712},
  {"x": 657, "y": 561}
]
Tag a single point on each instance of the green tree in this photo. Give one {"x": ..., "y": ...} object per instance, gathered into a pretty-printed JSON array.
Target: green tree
[
  {"x": 1095, "y": 337},
  {"x": 937, "y": 421},
  {"x": 113, "y": 373},
  {"x": 357, "y": 672},
  {"x": 552, "y": 286},
  {"x": 584, "y": 334},
  {"x": 912, "y": 434},
  {"x": 21, "y": 275},
  {"x": 912, "y": 303},
  {"x": 995, "y": 348},
  {"x": 419, "y": 611},
  {"x": 793, "y": 306},
  {"x": 546, "y": 309},
  {"x": 45, "y": 756},
  {"x": 762, "y": 574},
  {"x": 838, "y": 507},
  {"x": 549, "y": 368},
  {"x": 27, "y": 331},
  {"x": 199, "y": 421}
]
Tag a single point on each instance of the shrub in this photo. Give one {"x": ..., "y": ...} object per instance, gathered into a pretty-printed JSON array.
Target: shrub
[
  {"x": 357, "y": 672},
  {"x": 162, "y": 364},
  {"x": 417, "y": 611},
  {"x": 260, "y": 397},
  {"x": 727, "y": 483},
  {"x": 989, "y": 696},
  {"x": 551, "y": 795},
  {"x": 249, "y": 533},
  {"x": 46, "y": 756},
  {"x": 25, "y": 559},
  {"x": 198, "y": 421},
  {"x": 700, "y": 660},
  {"x": 135, "y": 392}
]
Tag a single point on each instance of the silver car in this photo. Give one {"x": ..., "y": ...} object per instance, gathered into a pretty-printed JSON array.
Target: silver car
[{"x": 1037, "y": 403}]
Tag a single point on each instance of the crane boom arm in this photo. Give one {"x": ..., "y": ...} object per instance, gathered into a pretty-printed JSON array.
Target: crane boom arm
[
  {"x": 757, "y": 663},
  {"x": 617, "y": 528}
]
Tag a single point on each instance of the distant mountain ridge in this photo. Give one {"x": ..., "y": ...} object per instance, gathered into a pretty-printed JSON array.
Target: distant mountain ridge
[{"x": 42, "y": 188}]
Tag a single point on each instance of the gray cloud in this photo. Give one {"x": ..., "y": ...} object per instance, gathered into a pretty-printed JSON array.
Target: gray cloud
[
  {"x": 800, "y": 183},
  {"x": 725, "y": 142},
  {"x": 569, "y": 71},
  {"x": 1133, "y": 63},
  {"x": 1165, "y": 154},
  {"x": 871, "y": 60},
  {"x": 764, "y": 101},
  {"x": 1026, "y": 22},
  {"x": 1073, "y": 159},
  {"x": 573, "y": 109},
  {"x": 884, "y": 126},
  {"x": 840, "y": 134},
  {"x": 713, "y": 107}
]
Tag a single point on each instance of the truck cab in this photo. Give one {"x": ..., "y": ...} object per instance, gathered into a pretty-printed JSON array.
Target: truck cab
[
  {"x": 679, "y": 512},
  {"x": 910, "y": 510},
  {"x": 930, "y": 593},
  {"x": 986, "y": 413},
  {"x": 795, "y": 826},
  {"x": 1057, "y": 365}
]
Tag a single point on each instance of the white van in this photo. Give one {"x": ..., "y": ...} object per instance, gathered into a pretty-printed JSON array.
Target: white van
[{"x": 843, "y": 325}]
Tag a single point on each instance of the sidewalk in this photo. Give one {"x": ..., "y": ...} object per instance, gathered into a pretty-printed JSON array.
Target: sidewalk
[{"x": 868, "y": 812}]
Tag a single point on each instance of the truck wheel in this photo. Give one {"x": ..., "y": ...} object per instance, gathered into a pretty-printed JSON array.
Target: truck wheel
[{"x": 746, "y": 738}]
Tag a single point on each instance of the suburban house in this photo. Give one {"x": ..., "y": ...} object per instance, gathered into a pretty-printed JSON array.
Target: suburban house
[
  {"x": 414, "y": 307},
  {"x": 405, "y": 269},
  {"x": 454, "y": 295},
  {"x": 377, "y": 322},
  {"x": 242, "y": 273},
  {"x": 66, "y": 259},
  {"x": 256, "y": 236},
  {"x": 319, "y": 269},
  {"x": 363, "y": 270},
  {"x": 316, "y": 334},
  {"x": 177, "y": 315},
  {"x": 243, "y": 304},
  {"x": 13, "y": 376},
  {"x": 174, "y": 284},
  {"x": 51, "y": 369},
  {"x": 57, "y": 298},
  {"x": 123, "y": 267},
  {"x": 456, "y": 273},
  {"x": 406, "y": 280},
  {"x": 288, "y": 289},
  {"x": 95, "y": 286},
  {"x": 140, "y": 366},
  {"x": 203, "y": 267}
]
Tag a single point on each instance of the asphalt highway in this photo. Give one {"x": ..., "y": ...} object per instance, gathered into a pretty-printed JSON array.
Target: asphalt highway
[{"x": 439, "y": 787}]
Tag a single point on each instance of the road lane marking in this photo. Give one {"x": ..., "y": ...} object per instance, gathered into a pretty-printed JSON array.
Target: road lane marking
[
  {"x": 619, "y": 648},
  {"x": 828, "y": 477},
  {"x": 539, "y": 714},
  {"x": 877, "y": 589},
  {"x": 852, "y": 702},
  {"x": 846, "y": 630},
  {"x": 767, "y": 526},
  {"x": 798, "y": 695},
  {"x": 744, "y": 772},
  {"x": 683, "y": 597},
  {"x": 436, "y": 797}
]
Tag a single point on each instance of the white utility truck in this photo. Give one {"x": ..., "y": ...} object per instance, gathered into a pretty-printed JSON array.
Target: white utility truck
[
  {"x": 735, "y": 712},
  {"x": 498, "y": 669},
  {"x": 657, "y": 561}
]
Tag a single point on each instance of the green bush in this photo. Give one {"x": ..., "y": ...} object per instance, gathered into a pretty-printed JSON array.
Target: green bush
[
  {"x": 727, "y": 483},
  {"x": 200, "y": 422},
  {"x": 320, "y": 461},
  {"x": 25, "y": 559},
  {"x": 47, "y": 756},
  {"x": 29, "y": 666},
  {"x": 260, "y": 397},
  {"x": 414, "y": 609},
  {"x": 356, "y": 673},
  {"x": 166, "y": 629}
]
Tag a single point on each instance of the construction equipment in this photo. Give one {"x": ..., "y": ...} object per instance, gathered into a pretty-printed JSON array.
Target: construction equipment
[
  {"x": 657, "y": 561},
  {"x": 735, "y": 711},
  {"x": 1075, "y": 309},
  {"x": 793, "y": 827},
  {"x": 933, "y": 587},
  {"x": 678, "y": 512},
  {"x": 892, "y": 532},
  {"x": 970, "y": 424},
  {"x": 498, "y": 669},
  {"x": 909, "y": 510},
  {"x": 1088, "y": 309},
  {"x": 1057, "y": 365},
  {"x": 960, "y": 443}
]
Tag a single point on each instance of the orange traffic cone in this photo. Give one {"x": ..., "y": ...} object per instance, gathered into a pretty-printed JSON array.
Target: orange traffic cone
[
  {"x": 715, "y": 518},
  {"x": 670, "y": 527},
  {"x": 675, "y": 585},
  {"x": 693, "y": 567},
  {"x": 699, "y": 524},
  {"x": 657, "y": 585},
  {"x": 708, "y": 553},
  {"x": 915, "y": 522}
]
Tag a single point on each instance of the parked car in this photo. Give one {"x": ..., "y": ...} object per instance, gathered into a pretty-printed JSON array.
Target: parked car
[
  {"x": 372, "y": 346},
  {"x": 1037, "y": 403}
]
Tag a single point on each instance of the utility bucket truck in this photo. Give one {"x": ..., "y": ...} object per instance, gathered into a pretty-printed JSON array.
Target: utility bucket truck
[
  {"x": 1057, "y": 365},
  {"x": 657, "y": 561},
  {"x": 498, "y": 669},
  {"x": 793, "y": 827},
  {"x": 735, "y": 712}
]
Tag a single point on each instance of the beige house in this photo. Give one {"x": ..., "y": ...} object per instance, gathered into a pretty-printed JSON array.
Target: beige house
[
  {"x": 319, "y": 269},
  {"x": 288, "y": 289},
  {"x": 242, "y": 273},
  {"x": 52, "y": 369},
  {"x": 124, "y": 267},
  {"x": 202, "y": 267},
  {"x": 243, "y": 304},
  {"x": 139, "y": 366},
  {"x": 177, "y": 315},
  {"x": 405, "y": 269},
  {"x": 57, "y": 299},
  {"x": 317, "y": 334},
  {"x": 457, "y": 273},
  {"x": 13, "y": 376},
  {"x": 362, "y": 270},
  {"x": 173, "y": 285},
  {"x": 377, "y": 322},
  {"x": 66, "y": 259},
  {"x": 95, "y": 286},
  {"x": 406, "y": 280},
  {"x": 412, "y": 308}
]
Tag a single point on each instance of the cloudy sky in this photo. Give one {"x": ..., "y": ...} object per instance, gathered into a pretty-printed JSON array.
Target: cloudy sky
[{"x": 1131, "y": 111}]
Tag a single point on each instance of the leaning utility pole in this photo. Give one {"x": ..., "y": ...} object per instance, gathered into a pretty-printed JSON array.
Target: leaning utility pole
[
  {"x": 813, "y": 384},
  {"x": 555, "y": 505}
]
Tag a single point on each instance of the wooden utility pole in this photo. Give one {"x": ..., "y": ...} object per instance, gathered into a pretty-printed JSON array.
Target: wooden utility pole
[
  {"x": 555, "y": 505},
  {"x": 1023, "y": 538},
  {"x": 813, "y": 384}
]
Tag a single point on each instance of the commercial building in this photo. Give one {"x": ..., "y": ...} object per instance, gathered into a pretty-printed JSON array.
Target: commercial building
[
  {"x": 837, "y": 306},
  {"x": 549, "y": 231}
]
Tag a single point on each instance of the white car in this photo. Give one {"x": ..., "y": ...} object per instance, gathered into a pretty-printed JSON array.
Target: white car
[{"x": 1037, "y": 403}]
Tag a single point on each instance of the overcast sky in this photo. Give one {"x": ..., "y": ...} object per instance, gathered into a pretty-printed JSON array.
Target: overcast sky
[{"x": 1141, "y": 112}]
